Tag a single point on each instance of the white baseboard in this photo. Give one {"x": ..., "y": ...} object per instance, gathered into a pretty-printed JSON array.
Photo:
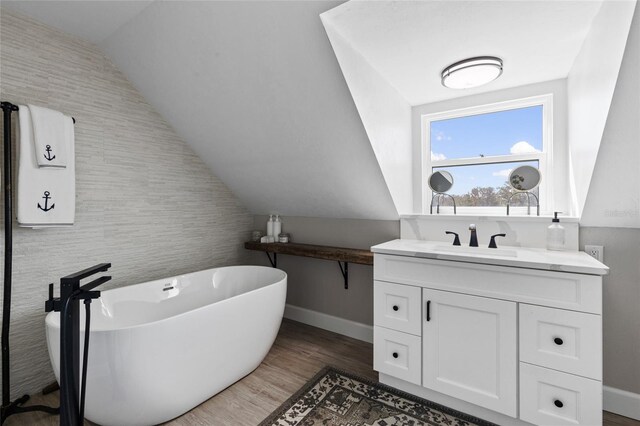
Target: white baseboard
[
  {"x": 621, "y": 402},
  {"x": 329, "y": 322}
]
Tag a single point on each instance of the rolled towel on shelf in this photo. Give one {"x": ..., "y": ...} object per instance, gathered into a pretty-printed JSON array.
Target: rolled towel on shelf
[
  {"x": 45, "y": 196},
  {"x": 50, "y": 136}
]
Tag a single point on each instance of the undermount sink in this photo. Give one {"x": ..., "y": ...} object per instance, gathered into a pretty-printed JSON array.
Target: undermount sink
[
  {"x": 464, "y": 250},
  {"x": 483, "y": 251}
]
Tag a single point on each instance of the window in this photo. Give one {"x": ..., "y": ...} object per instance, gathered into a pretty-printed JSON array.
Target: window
[{"x": 481, "y": 145}]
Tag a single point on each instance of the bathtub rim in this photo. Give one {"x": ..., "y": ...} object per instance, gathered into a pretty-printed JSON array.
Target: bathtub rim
[{"x": 49, "y": 322}]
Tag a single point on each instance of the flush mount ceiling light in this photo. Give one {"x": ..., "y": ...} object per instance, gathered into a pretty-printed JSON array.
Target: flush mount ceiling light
[{"x": 472, "y": 72}]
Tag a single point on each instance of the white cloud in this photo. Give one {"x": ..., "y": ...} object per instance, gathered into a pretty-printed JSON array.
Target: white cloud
[
  {"x": 522, "y": 147},
  {"x": 503, "y": 173},
  {"x": 441, "y": 136},
  {"x": 437, "y": 157}
]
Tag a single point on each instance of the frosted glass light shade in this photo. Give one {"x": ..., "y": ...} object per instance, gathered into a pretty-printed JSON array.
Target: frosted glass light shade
[{"x": 472, "y": 72}]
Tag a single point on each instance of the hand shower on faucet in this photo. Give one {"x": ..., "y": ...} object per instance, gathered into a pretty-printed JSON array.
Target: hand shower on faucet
[{"x": 473, "y": 242}]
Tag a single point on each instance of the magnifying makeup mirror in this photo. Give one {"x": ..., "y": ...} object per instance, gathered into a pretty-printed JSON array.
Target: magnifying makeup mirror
[
  {"x": 524, "y": 180},
  {"x": 440, "y": 182}
]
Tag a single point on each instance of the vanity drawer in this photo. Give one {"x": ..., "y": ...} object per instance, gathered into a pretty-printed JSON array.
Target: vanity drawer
[
  {"x": 549, "y": 397},
  {"x": 564, "y": 290},
  {"x": 397, "y": 354},
  {"x": 562, "y": 340},
  {"x": 397, "y": 307}
]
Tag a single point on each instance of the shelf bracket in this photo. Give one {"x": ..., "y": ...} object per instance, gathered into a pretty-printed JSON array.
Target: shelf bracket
[
  {"x": 345, "y": 273},
  {"x": 274, "y": 260}
]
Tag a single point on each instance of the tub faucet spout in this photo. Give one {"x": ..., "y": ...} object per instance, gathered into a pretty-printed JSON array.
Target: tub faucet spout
[{"x": 473, "y": 242}]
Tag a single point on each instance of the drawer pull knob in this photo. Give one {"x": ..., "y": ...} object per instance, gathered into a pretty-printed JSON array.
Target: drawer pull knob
[
  {"x": 558, "y": 341},
  {"x": 395, "y": 307},
  {"x": 558, "y": 403},
  {"x": 395, "y": 354}
]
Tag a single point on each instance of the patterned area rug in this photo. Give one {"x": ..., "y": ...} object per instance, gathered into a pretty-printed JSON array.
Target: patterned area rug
[{"x": 336, "y": 398}]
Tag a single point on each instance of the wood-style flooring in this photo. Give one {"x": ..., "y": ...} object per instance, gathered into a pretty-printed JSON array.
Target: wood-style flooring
[{"x": 298, "y": 353}]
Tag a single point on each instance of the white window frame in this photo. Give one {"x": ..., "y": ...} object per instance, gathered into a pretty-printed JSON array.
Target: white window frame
[{"x": 544, "y": 158}]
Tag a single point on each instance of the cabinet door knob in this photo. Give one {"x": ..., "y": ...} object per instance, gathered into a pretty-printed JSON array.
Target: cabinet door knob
[
  {"x": 395, "y": 307},
  {"x": 558, "y": 403},
  {"x": 395, "y": 354},
  {"x": 558, "y": 341}
]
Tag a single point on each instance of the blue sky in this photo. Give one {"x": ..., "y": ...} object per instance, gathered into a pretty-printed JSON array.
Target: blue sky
[{"x": 498, "y": 133}]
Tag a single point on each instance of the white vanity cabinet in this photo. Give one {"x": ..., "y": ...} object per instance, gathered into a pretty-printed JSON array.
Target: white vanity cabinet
[{"x": 510, "y": 344}]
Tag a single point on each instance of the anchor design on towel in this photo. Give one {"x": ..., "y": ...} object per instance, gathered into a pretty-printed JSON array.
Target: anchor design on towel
[
  {"x": 46, "y": 197},
  {"x": 48, "y": 156}
]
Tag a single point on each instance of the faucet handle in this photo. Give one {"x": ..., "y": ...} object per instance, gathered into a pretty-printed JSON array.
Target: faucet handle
[
  {"x": 53, "y": 303},
  {"x": 472, "y": 227},
  {"x": 492, "y": 243},
  {"x": 456, "y": 240}
]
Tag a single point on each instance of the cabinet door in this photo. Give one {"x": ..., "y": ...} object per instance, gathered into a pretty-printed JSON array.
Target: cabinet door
[{"x": 469, "y": 349}]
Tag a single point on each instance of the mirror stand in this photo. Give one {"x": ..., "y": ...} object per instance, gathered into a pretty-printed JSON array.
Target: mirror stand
[
  {"x": 529, "y": 195},
  {"x": 438, "y": 195}
]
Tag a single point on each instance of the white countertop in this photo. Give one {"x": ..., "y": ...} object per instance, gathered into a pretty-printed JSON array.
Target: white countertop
[{"x": 532, "y": 258}]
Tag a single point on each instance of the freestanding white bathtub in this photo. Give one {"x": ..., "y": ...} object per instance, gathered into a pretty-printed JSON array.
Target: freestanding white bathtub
[{"x": 160, "y": 348}]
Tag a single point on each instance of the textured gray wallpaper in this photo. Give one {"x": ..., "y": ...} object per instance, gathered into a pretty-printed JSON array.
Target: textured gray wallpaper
[{"x": 145, "y": 201}]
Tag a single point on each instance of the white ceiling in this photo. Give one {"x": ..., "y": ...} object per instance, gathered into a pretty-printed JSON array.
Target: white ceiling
[
  {"x": 90, "y": 20},
  {"x": 252, "y": 86},
  {"x": 255, "y": 89},
  {"x": 410, "y": 42}
]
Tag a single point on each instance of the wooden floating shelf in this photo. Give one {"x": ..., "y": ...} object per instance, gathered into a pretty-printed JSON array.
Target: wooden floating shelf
[{"x": 340, "y": 254}]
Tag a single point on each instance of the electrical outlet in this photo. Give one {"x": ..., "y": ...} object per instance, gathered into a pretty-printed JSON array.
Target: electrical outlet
[{"x": 597, "y": 252}]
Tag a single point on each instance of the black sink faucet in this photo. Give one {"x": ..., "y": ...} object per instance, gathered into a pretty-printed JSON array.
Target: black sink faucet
[{"x": 473, "y": 242}]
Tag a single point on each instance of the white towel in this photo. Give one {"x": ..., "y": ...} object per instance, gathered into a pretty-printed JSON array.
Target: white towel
[
  {"x": 50, "y": 136},
  {"x": 45, "y": 196}
]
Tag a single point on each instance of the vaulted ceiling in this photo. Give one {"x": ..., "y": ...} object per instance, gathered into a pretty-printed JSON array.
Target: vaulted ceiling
[{"x": 255, "y": 89}]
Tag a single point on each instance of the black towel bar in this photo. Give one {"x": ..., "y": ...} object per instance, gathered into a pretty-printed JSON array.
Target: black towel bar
[{"x": 15, "y": 108}]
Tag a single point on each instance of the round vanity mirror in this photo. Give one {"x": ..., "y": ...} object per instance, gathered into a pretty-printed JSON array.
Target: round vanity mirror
[
  {"x": 524, "y": 178},
  {"x": 440, "y": 181}
]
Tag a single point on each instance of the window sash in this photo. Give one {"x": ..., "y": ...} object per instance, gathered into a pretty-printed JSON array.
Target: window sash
[{"x": 495, "y": 159}]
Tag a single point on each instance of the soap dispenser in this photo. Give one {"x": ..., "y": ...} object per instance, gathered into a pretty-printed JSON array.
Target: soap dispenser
[
  {"x": 555, "y": 234},
  {"x": 270, "y": 226},
  {"x": 277, "y": 227}
]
